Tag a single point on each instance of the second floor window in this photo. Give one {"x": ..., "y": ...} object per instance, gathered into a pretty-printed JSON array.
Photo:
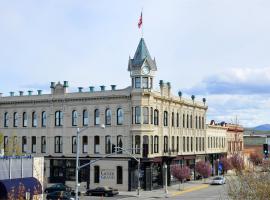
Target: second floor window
[
  {"x": 137, "y": 115},
  {"x": 58, "y": 144},
  {"x": 74, "y": 144},
  {"x": 25, "y": 119},
  {"x": 165, "y": 119},
  {"x": 43, "y": 144},
  {"x": 145, "y": 115},
  {"x": 96, "y": 144},
  {"x": 6, "y": 119},
  {"x": 137, "y": 82},
  {"x": 15, "y": 119},
  {"x": 58, "y": 118},
  {"x": 107, "y": 144},
  {"x": 166, "y": 143},
  {"x": 108, "y": 117},
  {"x": 156, "y": 146},
  {"x": 34, "y": 144},
  {"x": 85, "y": 144},
  {"x": 155, "y": 117},
  {"x": 120, "y": 143},
  {"x": 34, "y": 119},
  {"x": 24, "y": 144},
  {"x": 74, "y": 118}
]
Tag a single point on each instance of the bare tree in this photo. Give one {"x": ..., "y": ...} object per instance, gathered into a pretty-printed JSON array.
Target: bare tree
[{"x": 237, "y": 163}]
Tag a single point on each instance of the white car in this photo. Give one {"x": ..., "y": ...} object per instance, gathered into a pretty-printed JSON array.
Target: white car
[{"x": 219, "y": 180}]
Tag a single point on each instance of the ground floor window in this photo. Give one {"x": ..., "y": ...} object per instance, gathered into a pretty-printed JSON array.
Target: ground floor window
[
  {"x": 119, "y": 175},
  {"x": 96, "y": 174}
]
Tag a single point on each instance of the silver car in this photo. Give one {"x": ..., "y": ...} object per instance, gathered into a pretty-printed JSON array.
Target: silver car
[{"x": 219, "y": 180}]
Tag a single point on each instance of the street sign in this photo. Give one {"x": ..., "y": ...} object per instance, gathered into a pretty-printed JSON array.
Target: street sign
[{"x": 220, "y": 167}]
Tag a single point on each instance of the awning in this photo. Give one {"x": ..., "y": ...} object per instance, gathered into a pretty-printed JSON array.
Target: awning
[{"x": 17, "y": 188}]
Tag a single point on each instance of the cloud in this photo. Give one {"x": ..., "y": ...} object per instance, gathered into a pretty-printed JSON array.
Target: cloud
[{"x": 245, "y": 81}]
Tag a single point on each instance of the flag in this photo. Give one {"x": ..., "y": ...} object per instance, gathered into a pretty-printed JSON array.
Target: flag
[{"x": 140, "y": 21}]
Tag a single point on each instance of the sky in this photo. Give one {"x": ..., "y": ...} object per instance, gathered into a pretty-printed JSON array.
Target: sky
[{"x": 213, "y": 49}]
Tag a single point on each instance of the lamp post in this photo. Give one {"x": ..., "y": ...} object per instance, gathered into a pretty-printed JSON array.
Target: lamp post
[{"x": 165, "y": 177}]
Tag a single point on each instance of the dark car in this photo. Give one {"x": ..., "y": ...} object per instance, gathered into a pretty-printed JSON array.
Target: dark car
[
  {"x": 61, "y": 195},
  {"x": 57, "y": 187},
  {"x": 102, "y": 191}
]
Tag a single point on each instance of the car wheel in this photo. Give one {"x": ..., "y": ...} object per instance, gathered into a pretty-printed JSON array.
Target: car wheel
[
  {"x": 89, "y": 194},
  {"x": 106, "y": 194}
]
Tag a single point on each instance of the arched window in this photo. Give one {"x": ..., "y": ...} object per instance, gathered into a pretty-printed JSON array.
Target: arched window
[
  {"x": 166, "y": 144},
  {"x": 74, "y": 144},
  {"x": 85, "y": 118},
  {"x": 120, "y": 142},
  {"x": 34, "y": 119},
  {"x": 196, "y": 122},
  {"x": 172, "y": 118},
  {"x": 200, "y": 123},
  {"x": 165, "y": 120},
  {"x": 120, "y": 116},
  {"x": 184, "y": 144},
  {"x": 145, "y": 115},
  {"x": 173, "y": 144},
  {"x": 177, "y": 119},
  {"x": 43, "y": 119},
  {"x": 25, "y": 119},
  {"x": 58, "y": 118},
  {"x": 96, "y": 174},
  {"x": 74, "y": 118},
  {"x": 151, "y": 115},
  {"x": 156, "y": 145},
  {"x": 108, "y": 117},
  {"x": 187, "y": 121},
  {"x": 187, "y": 143},
  {"x": 108, "y": 144},
  {"x": 191, "y": 124},
  {"x": 156, "y": 117},
  {"x": 184, "y": 121},
  {"x": 96, "y": 114},
  {"x": 6, "y": 119},
  {"x": 15, "y": 119}
]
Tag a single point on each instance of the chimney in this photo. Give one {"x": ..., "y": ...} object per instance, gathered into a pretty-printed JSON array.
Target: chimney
[
  {"x": 30, "y": 92},
  {"x": 52, "y": 87},
  {"x": 65, "y": 84},
  {"x": 113, "y": 87},
  {"x": 91, "y": 88},
  {"x": 80, "y": 89},
  {"x": 102, "y": 87},
  {"x": 39, "y": 92},
  {"x": 21, "y": 93},
  {"x": 11, "y": 94}
]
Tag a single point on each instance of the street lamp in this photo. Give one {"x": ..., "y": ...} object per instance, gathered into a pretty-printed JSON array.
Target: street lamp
[{"x": 165, "y": 181}]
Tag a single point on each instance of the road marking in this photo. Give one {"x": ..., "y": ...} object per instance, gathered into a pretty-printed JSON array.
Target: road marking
[{"x": 199, "y": 187}]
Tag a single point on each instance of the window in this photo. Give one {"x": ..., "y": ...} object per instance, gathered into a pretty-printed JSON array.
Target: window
[
  {"x": 191, "y": 124},
  {"x": 15, "y": 119},
  {"x": 43, "y": 144},
  {"x": 177, "y": 119},
  {"x": 25, "y": 119},
  {"x": 155, "y": 117},
  {"x": 152, "y": 115},
  {"x": 137, "y": 115},
  {"x": 165, "y": 120},
  {"x": 145, "y": 115},
  {"x": 191, "y": 144},
  {"x": 34, "y": 119},
  {"x": 199, "y": 122},
  {"x": 187, "y": 143},
  {"x": 74, "y": 144},
  {"x": 96, "y": 122},
  {"x": 177, "y": 144},
  {"x": 6, "y": 119},
  {"x": 120, "y": 116},
  {"x": 119, "y": 175},
  {"x": 137, "y": 144},
  {"x": 74, "y": 118},
  {"x": 6, "y": 144},
  {"x": 96, "y": 144},
  {"x": 172, "y": 118},
  {"x": 108, "y": 144},
  {"x": 43, "y": 119},
  {"x": 24, "y": 144},
  {"x": 108, "y": 117},
  {"x": 137, "y": 82},
  {"x": 197, "y": 143},
  {"x": 145, "y": 82},
  {"x": 165, "y": 144},
  {"x": 196, "y": 122},
  {"x": 173, "y": 144},
  {"x": 156, "y": 144},
  {"x": 58, "y": 118},
  {"x": 200, "y": 144},
  {"x": 120, "y": 142},
  {"x": 203, "y": 144},
  {"x": 85, "y": 144},
  {"x": 96, "y": 174},
  {"x": 85, "y": 118},
  {"x": 184, "y": 144},
  {"x": 183, "y": 120},
  {"x": 187, "y": 121},
  {"x": 152, "y": 144},
  {"x": 34, "y": 144},
  {"x": 202, "y": 122},
  {"x": 58, "y": 144}
]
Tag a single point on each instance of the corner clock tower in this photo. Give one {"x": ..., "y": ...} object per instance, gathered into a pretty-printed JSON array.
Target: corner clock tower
[{"x": 142, "y": 67}]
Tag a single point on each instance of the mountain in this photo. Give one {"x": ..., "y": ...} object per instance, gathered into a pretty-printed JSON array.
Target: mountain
[{"x": 263, "y": 127}]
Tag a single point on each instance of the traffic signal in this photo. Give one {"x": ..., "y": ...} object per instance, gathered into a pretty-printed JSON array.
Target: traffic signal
[{"x": 265, "y": 149}]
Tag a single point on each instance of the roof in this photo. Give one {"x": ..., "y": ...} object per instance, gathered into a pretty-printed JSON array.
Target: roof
[{"x": 15, "y": 188}]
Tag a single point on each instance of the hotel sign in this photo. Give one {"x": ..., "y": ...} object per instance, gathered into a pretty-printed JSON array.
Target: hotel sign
[{"x": 107, "y": 174}]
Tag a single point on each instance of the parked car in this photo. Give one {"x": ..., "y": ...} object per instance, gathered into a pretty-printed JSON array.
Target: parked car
[
  {"x": 219, "y": 180},
  {"x": 102, "y": 191},
  {"x": 60, "y": 195},
  {"x": 57, "y": 187}
]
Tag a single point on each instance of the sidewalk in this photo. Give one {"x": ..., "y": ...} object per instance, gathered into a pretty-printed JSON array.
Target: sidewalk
[{"x": 173, "y": 190}]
